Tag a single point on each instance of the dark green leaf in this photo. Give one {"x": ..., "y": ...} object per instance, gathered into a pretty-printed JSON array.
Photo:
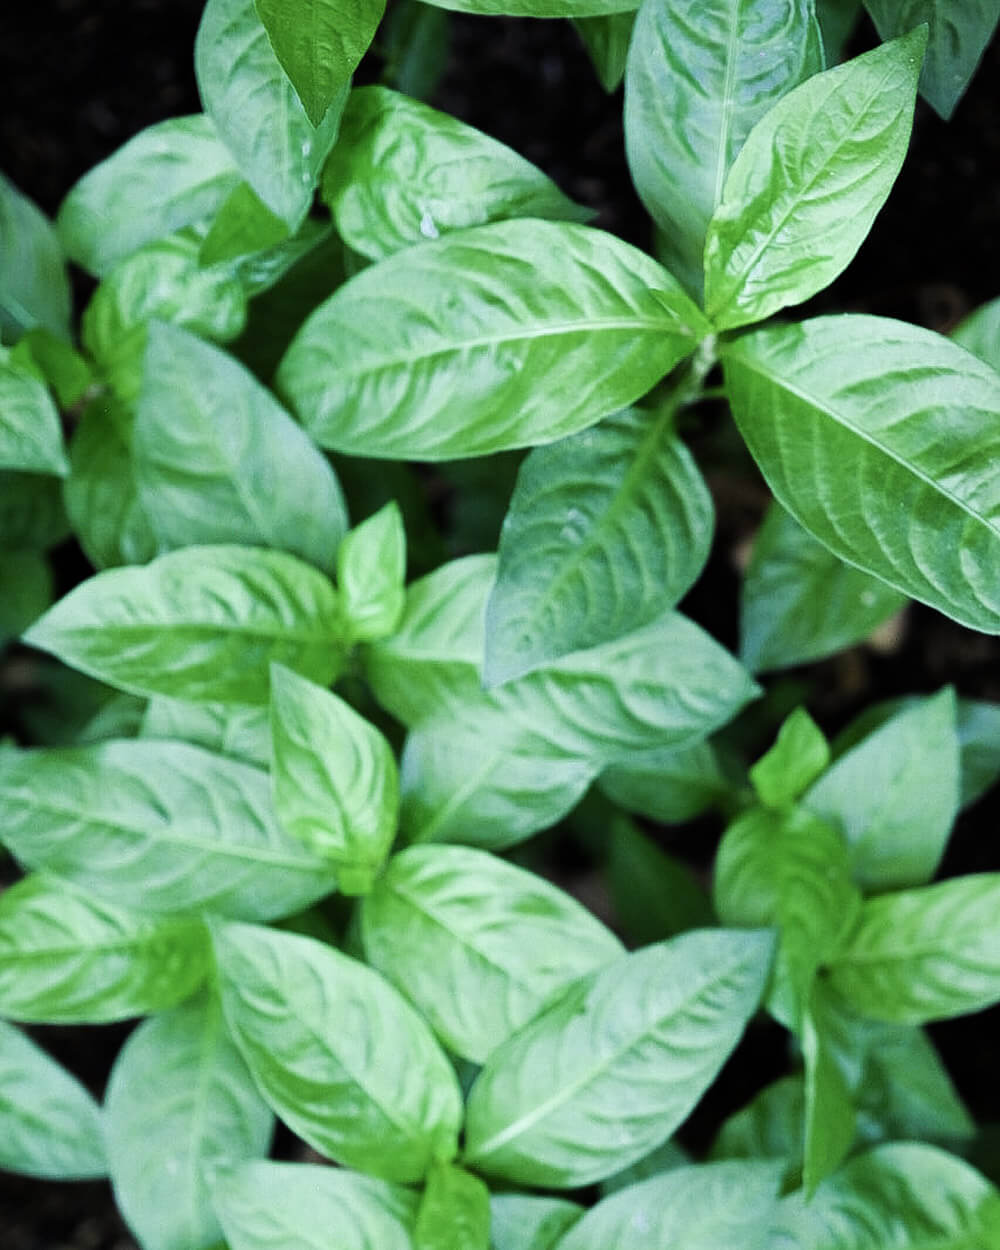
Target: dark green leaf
[
  {"x": 655, "y": 895},
  {"x": 771, "y": 1126},
  {"x": 26, "y": 590},
  {"x": 454, "y": 1212},
  {"x": 668, "y": 786},
  {"x": 606, "y": 40},
  {"x": 32, "y": 516},
  {"x": 34, "y": 289},
  {"x": 244, "y": 225},
  {"x": 538, "y": 8},
  {"x": 837, "y": 20}
]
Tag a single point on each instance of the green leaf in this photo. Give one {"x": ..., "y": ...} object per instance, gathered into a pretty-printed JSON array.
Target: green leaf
[
  {"x": 30, "y": 433},
  {"x": 838, "y": 20},
  {"x": 63, "y": 368},
  {"x": 243, "y": 226},
  {"x": 959, "y": 34},
  {"x": 371, "y": 574},
  {"x": 503, "y": 335},
  {"x": 664, "y": 1158},
  {"x": 830, "y": 1116},
  {"x": 52, "y": 1126},
  {"x": 26, "y": 590},
  {"x": 769, "y": 1127},
  {"x": 241, "y": 733},
  {"x": 606, "y": 40},
  {"x": 799, "y": 754},
  {"x": 257, "y": 113},
  {"x": 403, "y": 173},
  {"x": 538, "y": 8},
  {"x": 699, "y": 77},
  {"x": 476, "y": 944},
  {"x": 202, "y": 623},
  {"x": 700, "y": 1207},
  {"x": 274, "y": 1206},
  {"x": 334, "y": 779},
  {"x": 606, "y": 531},
  {"x": 414, "y": 42},
  {"x": 924, "y": 954},
  {"x": 168, "y": 176},
  {"x": 454, "y": 1212},
  {"x": 656, "y": 896},
  {"x": 799, "y": 602},
  {"x": 162, "y": 826},
  {"x": 34, "y": 289},
  {"x": 32, "y": 516},
  {"x": 668, "y": 786},
  {"x": 904, "y": 1195},
  {"x": 979, "y": 333},
  {"x": 69, "y": 958},
  {"x": 617, "y": 1062},
  {"x": 180, "y": 1103},
  {"x": 895, "y": 795},
  {"x": 859, "y": 421},
  {"x": 378, "y": 1094},
  {"x": 319, "y": 44},
  {"x": 218, "y": 460},
  {"x": 808, "y": 183},
  {"x": 528, "y": 1222},
  {"x": 978, "y": 728}
]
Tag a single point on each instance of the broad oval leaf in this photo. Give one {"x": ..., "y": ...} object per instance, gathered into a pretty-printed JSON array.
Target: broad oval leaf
[
  {"x": 34, "y": 289},
  {"x": 69, "y": 958},
  {"x": 477, "y": 944},
  {"x": 241, "y": 733},
  {"x": 617, "y": 1062},
  {"x": 699, "y": 77},
  {"x": 52, "y": 1126},
  {"x": 670, "y": 786},
  {"x": 605, "y": 532},
  {"x": 503, "y": 335},
  {"x": 338, "y": 1052},
  {"x": 30, "y": 433},
  {"x": 808, "y": 183},
  {"x": 161, "y": 826},
  {"x": 538, "y": 8},
  {"x": 272, "y": 1206},
  {"x": 218, "y": 460},
  {"x": 168, "y": 176},
  {"x": 403, "y": 173},
  {"x": 454, "y": 1212},
  {"x": 202, "y": 623},
  {"x": 530, "y": 1222},
  {"x": 880, "y": 438}
]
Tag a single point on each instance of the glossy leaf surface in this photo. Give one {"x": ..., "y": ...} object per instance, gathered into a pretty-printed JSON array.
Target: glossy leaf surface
[
  {"x": 30, "y": 434},
  {"x": 797, "y": 757},
  {"x": 371, "y": 574},
  {"x": 979, "y": 333},
  {"x": 454, "y": 1212},
  {"x": 241, "y": 733},
  {"x": 529, "y": 1222}
]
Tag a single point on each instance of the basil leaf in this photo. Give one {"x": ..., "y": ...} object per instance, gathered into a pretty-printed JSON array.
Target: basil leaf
[
  {"x": 161, "y": 826},
  {"x": 632, "y": 1046},
  {"x": 402, "y": 173},
  {"x": 887, "y": 417},
  {"x": 454, "y": 1212},
  {"x": 838, "y": 20},
  {"x": 476, "y": 944},
  {"x": 538, "y": 8},
  {"x": 379, "y": 1095},
  {"x": 669, "y": 786},
  {"x": 34, "y": 289},
  {"x": 895, "y": 795},
  {"x": 270, "y": 1206},
  {"x": 799, "y": 754},
  {"x": 979, "y": 333},
  {"x": 63, "y": 368},
  {"x": 26, "y": 590},
  {"x": 30, "y": 433},
  {"x": 606, "y": 531},
  {"x": 808, "y": 183},
  {"x": 527, "y": 1222},
  {"x": 201, "y": 623},
  {"x": 371, "y": 574},
  {"x": 180, "y": 1103},
  {"x": 168, "y": 176},
  {"x": 500, "y": 336},
  {"x": 218, "y": 460},
  {"x": 319, "y": 44},
  {"x": 606, "y": 39},
  {"x": 32, "y": 516},
  {"x": 243, "y": 227},
  {"x": 799, "y": 602},
  {"x": 256, "y": 111},
  {"x": 924, "y": 954},
  {"x": 978, "y": 726},
  {"x": 830, "y": 1117},
  {"x": 68, "y": 958},
  {"x": 699, "y": 77},
  {"x": 656, "y": 896},
  {"x": 52, "y": 1126},
  {"x": 241, "y": 733},
  {"x": 664, "y": 1158},
  {"x": 334, "y": 779},
  {"x": 770, "y": 1126}
]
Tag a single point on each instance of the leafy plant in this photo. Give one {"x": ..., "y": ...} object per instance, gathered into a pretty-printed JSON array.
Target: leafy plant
[{"x": 272, "y": 811}]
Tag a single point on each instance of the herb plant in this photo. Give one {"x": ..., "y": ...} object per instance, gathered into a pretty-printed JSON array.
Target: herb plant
[{"x": 284, "y": 830}]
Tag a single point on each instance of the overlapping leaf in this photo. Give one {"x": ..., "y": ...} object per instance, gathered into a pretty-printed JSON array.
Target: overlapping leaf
[
  {"x": 30, "y": 434},
  {"x": 34, "y": 290}
]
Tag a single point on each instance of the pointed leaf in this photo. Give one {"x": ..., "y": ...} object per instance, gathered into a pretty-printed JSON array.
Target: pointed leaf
[
  {"x": 454, "y": 1212},
  {"x": 799, "y": 754},
  {"x": 606, "y": 39},
  {"x": 371, "y": 574},
  {"x": 34, "y": 289},
  {"x": 979, "y": 333},
  {"x": 241, "y": 733},
  {"x": 30, "y": 433}
]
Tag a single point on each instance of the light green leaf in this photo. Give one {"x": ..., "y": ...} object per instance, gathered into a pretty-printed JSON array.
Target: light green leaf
[
  {"x": 700, "y": 1208},
  {"x": 655, "y": 895},
  {"x": 180, "y": 1104},
  {"x": 606, "y": 40},
  {"x": 799, "y": 602},
  {"x": 476, "y": 944},
  {"x": 811, "y": 178},
  {"x": 528, "y": 1222},
  {"x": 857, "y": 422},
  {"x": 34, "y": 289},
  {"x": 26, "y": 590},
  {"x": 170, "y": 175},
  {"x": 799, "y": 754},
  {"x": 30, "y": 433},
  {"x": 830, "y": 1117},
  {"x": 334, "y": 779},
  {"x": 273, "y": 1206},
  {"x": 895, "y": 795},
  {"x": 218, "y": 460},
  {"x": 32, "y": 516},
  {"x": 257, "y": 112},
  {"x": 700, "y": 76},
  {"x": 668, "y": 786},
  {"x": 162, "y": 826},
  {"x": 924, "y": 954},
  {"x": 959, "y": 34},
  {"x": 52, "y": 1126},
  {"x": 202, "y": 623},
  {"x": 371, "y": 573},
  {"x": 403, "y": 173},
  {"x": 538, "y": 8},
  {"x": 69, "y": 958},
  {"x": 606, "y": 531},
  {"x": 340, "y": 1055},
  {"x": 978, "y": 726},
  {"x": 241, "y": 733},
  {"x": 454, "y": 1212},
  {"x": 319, "y": 44},
  {"x": 979, "y": 333},
  {"x": 617, "y": 1062},
  {"x": 61, "y": 366},
  {"x": 503, "y": 335}
]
